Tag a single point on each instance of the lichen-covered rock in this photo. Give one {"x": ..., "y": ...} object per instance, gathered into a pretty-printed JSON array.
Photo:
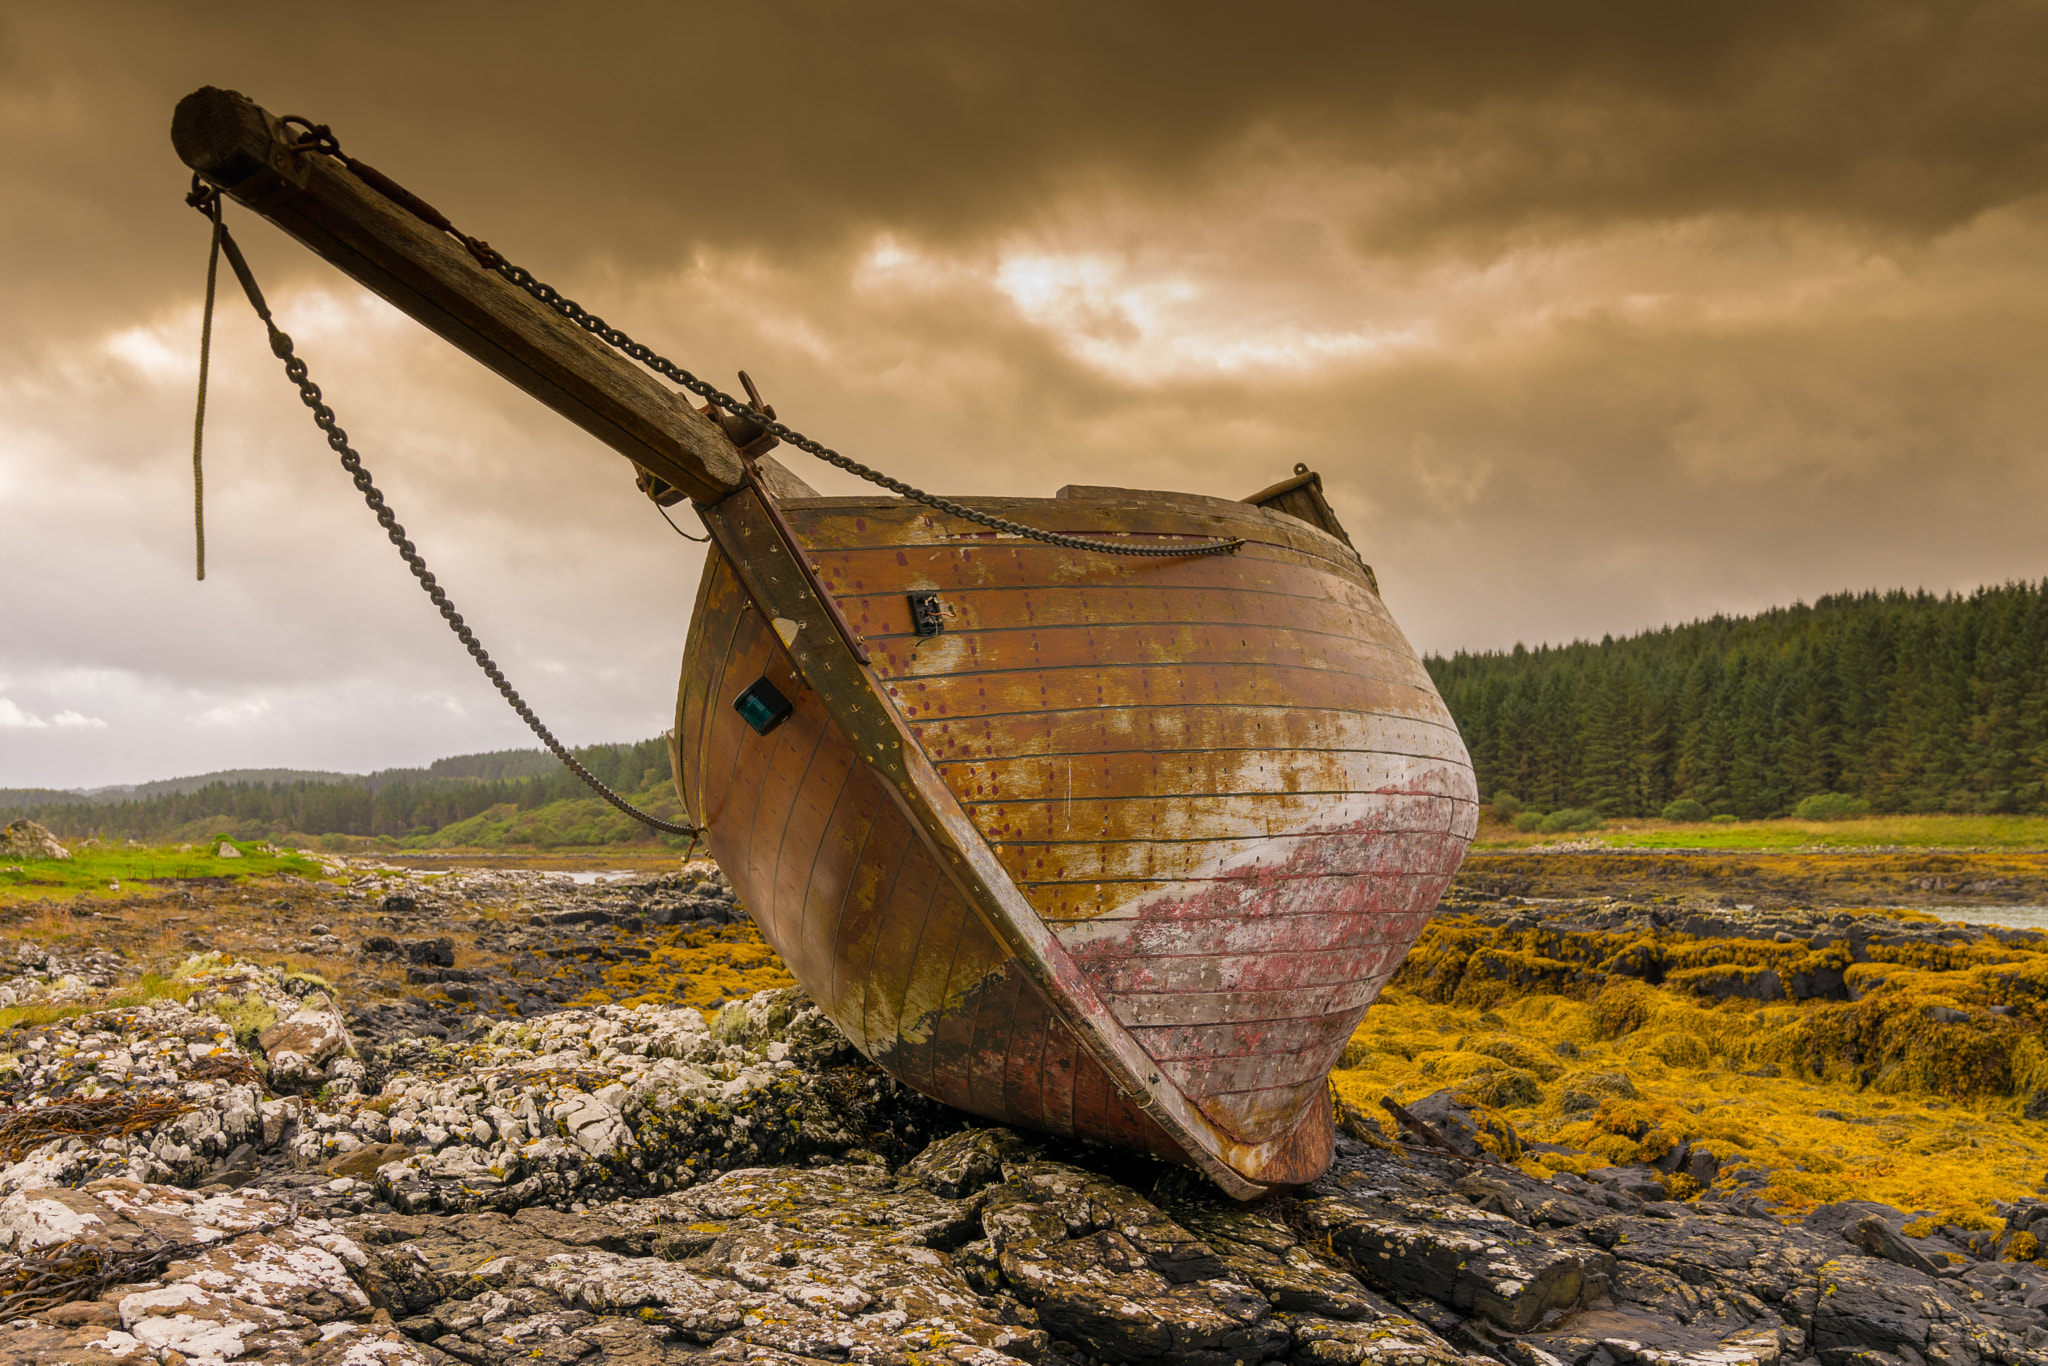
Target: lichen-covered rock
[
  {"x": 24, "y": 839},
  {"x": 300, "y": 1046},
  {"x": 547, "y": 1179}
]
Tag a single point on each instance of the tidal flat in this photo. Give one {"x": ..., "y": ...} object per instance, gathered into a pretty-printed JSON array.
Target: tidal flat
[{"x": 1713, "y": 1107}]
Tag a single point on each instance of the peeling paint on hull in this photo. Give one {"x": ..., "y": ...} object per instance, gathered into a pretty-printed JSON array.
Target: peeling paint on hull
[{"x": 1224, "y": 785}]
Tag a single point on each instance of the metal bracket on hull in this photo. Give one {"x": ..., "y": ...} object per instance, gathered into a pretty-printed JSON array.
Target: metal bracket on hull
[{"x": 776, "y": 578}]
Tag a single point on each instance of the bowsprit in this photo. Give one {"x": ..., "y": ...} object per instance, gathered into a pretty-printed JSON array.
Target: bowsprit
[{"x": 1106, "y": 814}]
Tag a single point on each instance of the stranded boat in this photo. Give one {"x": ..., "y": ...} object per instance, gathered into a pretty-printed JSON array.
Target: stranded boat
[{"x": 1116, "y": 845}]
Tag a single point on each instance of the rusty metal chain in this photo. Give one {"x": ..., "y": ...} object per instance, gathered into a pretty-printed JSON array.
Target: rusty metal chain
[
  {"x": 323, "y": 418},
  {"x": 318, "y": 137},
  {"x": 661, "y": 365}
]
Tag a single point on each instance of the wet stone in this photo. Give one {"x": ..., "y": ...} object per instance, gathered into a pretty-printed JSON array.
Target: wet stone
[{"x": 499, "y": 1165}]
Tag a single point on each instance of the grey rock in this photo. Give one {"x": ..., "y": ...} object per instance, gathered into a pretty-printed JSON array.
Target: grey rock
[
  {"x": 1471, "y": 1260},
  {"x": 24, "y": 839},
  {"x": 1879, "y": 1239},
  {"x": 1106, "y": 1269}
]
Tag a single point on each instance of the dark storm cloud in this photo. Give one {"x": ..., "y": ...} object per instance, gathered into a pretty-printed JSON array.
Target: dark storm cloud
[{"x": 638, "y": 132}]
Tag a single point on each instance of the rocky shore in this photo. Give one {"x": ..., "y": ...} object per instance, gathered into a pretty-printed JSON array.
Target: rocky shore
[{"x": 508, "y": 1124}]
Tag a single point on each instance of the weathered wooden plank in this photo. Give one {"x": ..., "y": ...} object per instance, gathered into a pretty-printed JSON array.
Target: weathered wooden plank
[
  {"x": 938, "y": 551},
  {"x": 754, "y": 653},
  {"x": 836, "y": 862},
  {"x": 952, "y": 1036},
  {"x": 1303, "y": 600},
  {"x": 976, "y": 584},
  {"x": 1251, "y": 1038},
  {"x": 988, "y": 1056},
  {"x": 1137, "y": 777},
  {"x": 1190, "y": 731},
  {"x": 901, "y": 936},
  {"x": 1262, "y": 587},
  {"x": 790, "y": 752},
  {"x": 1023, "y": 1072},
  {"x": 1056, "y": 1090},
  {"x": 713, "y": 627},
  {"x": 1203, "y": 976},
  {"x": 964, "y": 658},
  {"x": 1369, "y": 925},
  {"x": 1191, "y": 818},
  {"x": 1251, "y": 1004},
  {"x": 1143, "y": 860},
  {"x": 1092, "y": 1099},
  {"x": 994, "y": 629},
  {"x": 1038, "y": 692},
  {"x": 425, "y": 273},
  {"x": 1206, "y": 1078},
  {"x": 869, "y": 891},
  {"x": 1066, "y": 903}
]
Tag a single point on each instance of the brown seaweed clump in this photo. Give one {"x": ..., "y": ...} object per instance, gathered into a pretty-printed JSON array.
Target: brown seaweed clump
[{"x": 1802, "y": 1058}]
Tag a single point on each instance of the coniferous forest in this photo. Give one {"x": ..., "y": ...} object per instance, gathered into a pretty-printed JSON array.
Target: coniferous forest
[{"x": 1908, "y": 701}]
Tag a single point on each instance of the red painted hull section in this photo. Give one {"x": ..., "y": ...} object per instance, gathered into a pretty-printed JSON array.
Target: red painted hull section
[{"x": 1224, "y": 784}]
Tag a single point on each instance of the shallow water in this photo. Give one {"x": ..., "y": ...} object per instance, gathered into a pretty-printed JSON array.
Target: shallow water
[{"x": 2016, "y": 917}]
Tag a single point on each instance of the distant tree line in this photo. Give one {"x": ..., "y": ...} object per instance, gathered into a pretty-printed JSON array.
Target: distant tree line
[
  {"x": 1907, "y": 701},
  {"x": 394, "y": 808}
]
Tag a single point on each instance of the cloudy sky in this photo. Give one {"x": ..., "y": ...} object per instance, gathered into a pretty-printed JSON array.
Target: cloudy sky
[{"x": 1595, "y": 317}]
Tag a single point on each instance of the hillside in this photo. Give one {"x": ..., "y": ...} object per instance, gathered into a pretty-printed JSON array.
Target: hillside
[
  {"x": 493, "y": 765},
  {"x": 1906, "y": 701},
  {"x": 509, "y": 797}
]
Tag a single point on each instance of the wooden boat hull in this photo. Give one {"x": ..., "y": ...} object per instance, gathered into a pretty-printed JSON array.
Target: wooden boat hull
[
  {"x": 1223, "y": 786},
  {"x": 1125, "y": 852}
]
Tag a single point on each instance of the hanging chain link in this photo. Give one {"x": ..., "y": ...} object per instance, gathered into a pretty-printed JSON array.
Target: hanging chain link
[
  {"x": 337, "y": 438},
  {"x": 318, "y": 137}
]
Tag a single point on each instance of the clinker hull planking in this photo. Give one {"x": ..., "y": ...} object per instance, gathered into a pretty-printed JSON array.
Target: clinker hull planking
[{"x": 1222, "y": 793}]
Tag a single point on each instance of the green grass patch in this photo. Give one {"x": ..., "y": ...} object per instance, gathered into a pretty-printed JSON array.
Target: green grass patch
[
  {"x": 109, "y": 871},
  {"x": 1863, "y": 832}
]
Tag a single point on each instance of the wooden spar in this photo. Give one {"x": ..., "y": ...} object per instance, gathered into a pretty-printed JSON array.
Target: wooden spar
[
  {"x": 243, "y": 150},
  {"x": 1124, "y": 853}
]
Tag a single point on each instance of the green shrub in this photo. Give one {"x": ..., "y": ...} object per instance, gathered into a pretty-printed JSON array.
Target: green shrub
[
  {"x": 1830, "y": 806},
  {"x": 1686, "y": 809},
  {"x": 1529, "y": 820},
  {"x": 1572, "y": 818},
  {"x": 1507, "y": 803},
  {"x": 1723, "y": 819}
]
